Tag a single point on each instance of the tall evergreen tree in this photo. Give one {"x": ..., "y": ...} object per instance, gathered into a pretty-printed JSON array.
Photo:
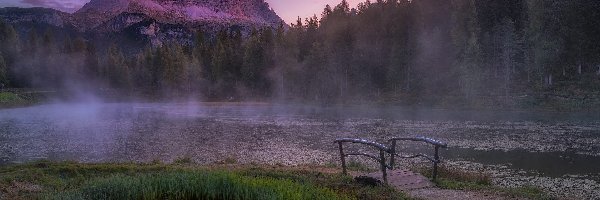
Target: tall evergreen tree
[
  {"x": 9, "y": 42},
  {"x": 219, "y": 59},
  {"x": 116, "y": 70},
  {"x": 4, "y": 81},
  {"x": 465, "y": 35}
]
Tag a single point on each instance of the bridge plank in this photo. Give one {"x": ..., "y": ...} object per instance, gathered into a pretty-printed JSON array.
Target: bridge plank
[{"x": 420, "y": 187}]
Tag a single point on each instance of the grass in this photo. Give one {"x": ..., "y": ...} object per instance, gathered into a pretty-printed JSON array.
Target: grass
[
  {"x": 10, "y": 98},
  {"x": 457, "y": 179},
  {"x": 529, "y": 192},
  {"x": 336, "y": 181},
  {"x": 353, "y": 165},
  {"x": 228, "y": 161},
  {"x": 183, "y": 160},
  {"x": 68, "y": 180},
  {"x": 196, "y": 185}
]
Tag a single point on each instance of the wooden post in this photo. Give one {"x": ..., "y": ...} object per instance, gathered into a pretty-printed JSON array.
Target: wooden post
[
  {"x": 393, "y": 154},
  {"x": 435, "y": 163},
  {"x": 343, "y": 158},
  {"x": 383, "y": 167}
]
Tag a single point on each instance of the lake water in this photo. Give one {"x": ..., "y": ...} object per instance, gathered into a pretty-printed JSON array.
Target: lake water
[{"x": 545, "y": 149}]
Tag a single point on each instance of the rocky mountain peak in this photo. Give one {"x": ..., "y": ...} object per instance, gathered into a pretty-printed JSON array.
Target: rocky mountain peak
[{"x": 96, "y": 12}]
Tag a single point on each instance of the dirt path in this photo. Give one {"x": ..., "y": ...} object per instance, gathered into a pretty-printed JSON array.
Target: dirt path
[{"x": 418, "y": 186}]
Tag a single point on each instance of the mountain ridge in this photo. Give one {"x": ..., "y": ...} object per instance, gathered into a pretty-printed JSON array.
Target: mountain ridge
[
  {"x": 164, "y": 20},
  {"x": 256, "y": 12}
]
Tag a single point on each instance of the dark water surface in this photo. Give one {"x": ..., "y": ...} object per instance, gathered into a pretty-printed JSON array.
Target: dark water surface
[
  {"x": 549, "y": 144},
  {"x": 552, "y": 164}
]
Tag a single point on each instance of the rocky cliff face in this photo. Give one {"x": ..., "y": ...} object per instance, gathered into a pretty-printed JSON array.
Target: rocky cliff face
[
  {"x": 35, "y": 15},
  {"x": 188, "y": 12},
  {"x": 151, "y": 20}
]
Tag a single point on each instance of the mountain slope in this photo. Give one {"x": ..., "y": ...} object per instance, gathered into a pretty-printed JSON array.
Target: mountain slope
[
  {"x": 143, "y": 21},
  {"x": 36, "y": 16},
  {"x": 190, "y": 12}
]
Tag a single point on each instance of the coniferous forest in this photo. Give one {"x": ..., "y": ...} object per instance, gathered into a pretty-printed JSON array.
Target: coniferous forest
[{"x": 453, "y": 52}]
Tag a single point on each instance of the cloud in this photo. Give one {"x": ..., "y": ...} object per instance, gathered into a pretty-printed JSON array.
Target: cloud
[{"x": 63, "y": 5}]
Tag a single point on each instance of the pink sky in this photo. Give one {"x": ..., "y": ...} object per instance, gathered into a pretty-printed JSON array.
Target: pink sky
[{"x": 289, "y": 10}]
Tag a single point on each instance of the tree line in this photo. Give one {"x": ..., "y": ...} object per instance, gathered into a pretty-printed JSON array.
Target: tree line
[{"x": 392, "y": 50}]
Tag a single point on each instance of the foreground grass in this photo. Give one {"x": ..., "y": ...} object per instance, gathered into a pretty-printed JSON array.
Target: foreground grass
[
  {"x": 46, "y": 180},
  {"x": 196, "y": 185},
  {"x": 456, "y": 179}
]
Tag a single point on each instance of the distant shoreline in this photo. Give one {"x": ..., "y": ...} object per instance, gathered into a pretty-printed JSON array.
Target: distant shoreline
[{"x": 11, "y": 98}]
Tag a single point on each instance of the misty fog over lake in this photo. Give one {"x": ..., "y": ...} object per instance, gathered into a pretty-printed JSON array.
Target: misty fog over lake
[{"x": 516, "y": 146}]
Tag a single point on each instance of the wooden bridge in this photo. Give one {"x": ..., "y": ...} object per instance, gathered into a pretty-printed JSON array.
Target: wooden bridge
[
  {"x": 384, "y": 150},
  {"x": 414, "y": 184}
]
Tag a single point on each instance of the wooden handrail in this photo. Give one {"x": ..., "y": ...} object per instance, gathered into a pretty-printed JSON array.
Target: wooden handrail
[{"x": 383, "y": 149}]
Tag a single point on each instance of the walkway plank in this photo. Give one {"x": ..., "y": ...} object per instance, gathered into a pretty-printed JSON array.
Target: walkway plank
[
  {"x": 419, "y": 186},
  {"x": 403, "y": 179}
]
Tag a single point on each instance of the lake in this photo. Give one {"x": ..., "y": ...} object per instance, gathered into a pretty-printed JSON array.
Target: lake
[{"x": 554, "y": 150}]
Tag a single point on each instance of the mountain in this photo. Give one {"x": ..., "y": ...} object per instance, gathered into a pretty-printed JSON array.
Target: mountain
[
  {"x": 35, "y": 16},
  {"x": 187, "y": 12},
  {"x": 149, "y": 20}
]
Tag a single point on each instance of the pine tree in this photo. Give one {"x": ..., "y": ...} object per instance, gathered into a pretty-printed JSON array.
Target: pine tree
[
  {"x": 316, "y": 78},
  {"x": 343, "y": 7},
  {"x": 48, "y": 42},
  {"x": 32, "y": 45},
  {"x": 91, "y": 69},
  {"x": 117, "y": 71},
  {"x": 219, "y": 60},
  {"x": 465, "y": 36},
  {"x": 544, "y": 43},
  {"x": 508, "y": 50},
  {"x": 325, "y": 14},
  {"x": 67, "y": 47},
  {"x": 4, "y": 81},
  {"x": 194, "y": 74},
  {"x": 254, "y": 61},
  {"x": 175, "y": 73},
  {"x": 9, "y": 41}
]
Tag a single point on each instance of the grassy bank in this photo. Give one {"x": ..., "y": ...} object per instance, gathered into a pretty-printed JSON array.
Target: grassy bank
[
  {"x": 8, "y": 99},
  {"x": 18, "y": 99},
  {"x": 48, "y": 180},
  {"x": 456, "y": 179}
]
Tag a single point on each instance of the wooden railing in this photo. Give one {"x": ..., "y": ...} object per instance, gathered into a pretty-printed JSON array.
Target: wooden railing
[{"x": 383, "y": 150}]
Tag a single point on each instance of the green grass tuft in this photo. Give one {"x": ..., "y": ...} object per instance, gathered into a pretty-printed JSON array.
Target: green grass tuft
[
  {"x": 69, "y": 180},
  {"x": 353, "y": 165},
  {"x": 183, "y": 160},
  {"x": 339, "y": 183},
  {"x": 196, "y": 185},
  {"x": 10, "y": 98},
  {"x": 528, "y": 192},
  {"x": 457, "y": 179}
]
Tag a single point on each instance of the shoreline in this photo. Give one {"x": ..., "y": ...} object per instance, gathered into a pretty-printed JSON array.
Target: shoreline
[{"x": 41, "y": 178}]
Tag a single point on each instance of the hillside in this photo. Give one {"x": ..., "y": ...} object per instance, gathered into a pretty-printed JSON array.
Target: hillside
[{"x": 150, "y": 21}]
